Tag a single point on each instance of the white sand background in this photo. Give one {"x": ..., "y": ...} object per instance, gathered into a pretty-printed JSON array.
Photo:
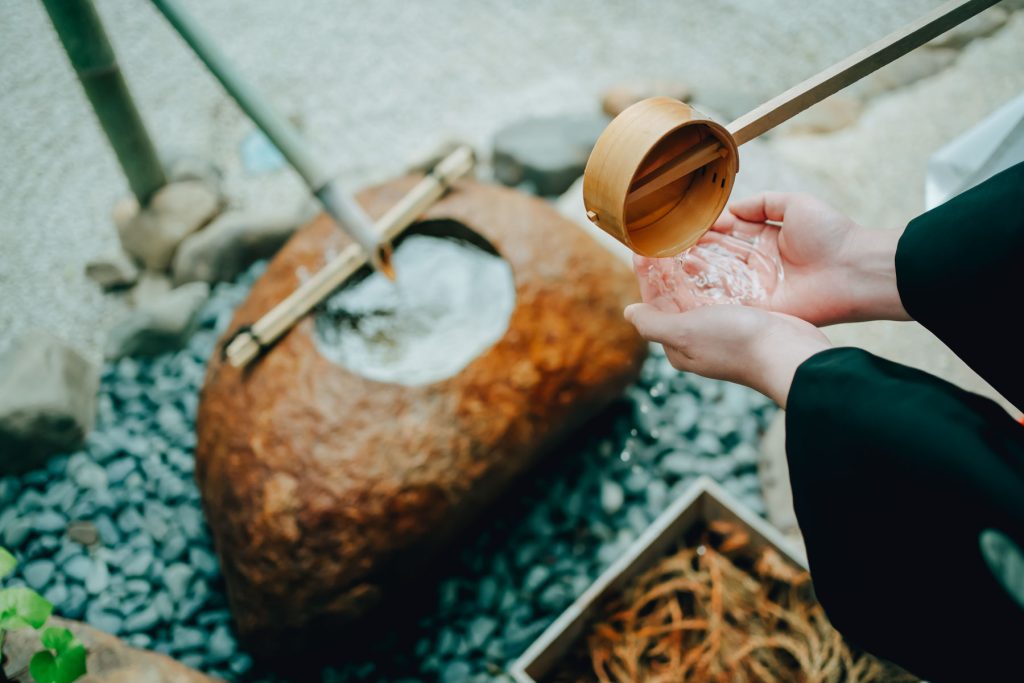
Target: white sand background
[{"x": 372, "y": 82}]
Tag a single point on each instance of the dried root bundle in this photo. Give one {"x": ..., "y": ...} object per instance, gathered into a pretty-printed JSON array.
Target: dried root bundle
[{"x": 719, "y": 611}]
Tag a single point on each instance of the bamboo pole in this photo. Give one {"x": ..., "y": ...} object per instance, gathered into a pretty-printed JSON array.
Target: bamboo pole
[
  {"x": 813, "y": 90},
  {"x": 349, "y": 216},
  {"x": 249, "y": 341},
  {"x": 85, "y": 42}
]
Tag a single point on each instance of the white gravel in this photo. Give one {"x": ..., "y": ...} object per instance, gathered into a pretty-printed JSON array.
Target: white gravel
[{"x": 372, "y": 83}]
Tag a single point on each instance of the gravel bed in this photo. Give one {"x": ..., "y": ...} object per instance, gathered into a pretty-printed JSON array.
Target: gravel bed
[{"x": 153, "y": 579}]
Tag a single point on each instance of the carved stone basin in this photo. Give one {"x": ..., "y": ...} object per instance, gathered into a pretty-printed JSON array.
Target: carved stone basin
[{"x": 325, "y": 489}]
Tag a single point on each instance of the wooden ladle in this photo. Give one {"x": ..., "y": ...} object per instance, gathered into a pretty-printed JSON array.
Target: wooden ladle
[{"x": 661, "y": 172}]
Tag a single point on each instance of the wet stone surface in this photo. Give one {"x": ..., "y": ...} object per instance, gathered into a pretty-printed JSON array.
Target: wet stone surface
[{"x": 151, "y": 576}]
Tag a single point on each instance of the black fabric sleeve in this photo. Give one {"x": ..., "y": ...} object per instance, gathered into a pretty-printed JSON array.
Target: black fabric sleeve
[
  {"x": 895, "y": 474},
  {"x": 960, "y": 273}
]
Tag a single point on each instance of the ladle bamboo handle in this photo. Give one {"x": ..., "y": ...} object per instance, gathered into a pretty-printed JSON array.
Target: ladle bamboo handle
[
  {"x": 248, "y": 342},
  {"x": 816, "y": 88}
]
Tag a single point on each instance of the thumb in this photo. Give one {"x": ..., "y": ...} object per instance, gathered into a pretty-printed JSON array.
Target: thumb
[{"x": 652, "y": 324}]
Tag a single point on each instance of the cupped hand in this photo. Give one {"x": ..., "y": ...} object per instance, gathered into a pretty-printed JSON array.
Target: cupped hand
[
  {"x": 749, "y": 346},
  {"x": 796, "y": 255}
]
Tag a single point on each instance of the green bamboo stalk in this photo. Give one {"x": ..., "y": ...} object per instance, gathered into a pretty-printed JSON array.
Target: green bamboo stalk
[
  {"x": 345, "y": 211},
  {"x": 81, "y": 31}
]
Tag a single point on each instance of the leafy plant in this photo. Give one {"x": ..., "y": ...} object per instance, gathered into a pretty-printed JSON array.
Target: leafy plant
[{"x": 62, "y": 659}]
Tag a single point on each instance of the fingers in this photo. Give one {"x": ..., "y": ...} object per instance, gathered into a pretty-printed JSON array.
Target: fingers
[
  {"x": 652, "y": 324},
  {"x": 766, "y": 206}
]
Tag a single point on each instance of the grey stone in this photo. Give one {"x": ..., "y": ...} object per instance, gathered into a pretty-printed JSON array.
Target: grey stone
[
  {"x": 203, "y": 561},
  {"x": 90, "y": 476},
  {"x": 115, "y": 271},
  {"x": 117, "y": 470},
  {"x": 129, "y": 521},
  {"x": 191, "y": 605},
  {"x": 37, "y": 574},
  {"x": 57, "y": 594},
  {"x": 164, "y": 606},
  {"x": 139, "y": 640},
  {"x": 190, "y": 520},
  {"x": 456, "y": 672},
  {"x": 221, "y": 645},
  {"x": 217, "y": 616},
  {"x": 612, "y": 497},
  {"x": 555, "y": 597},
  {"x": 155, "y": 521},
  {"x": 60, "y": 495},
  {"x": 98, "y": 577},
  {"x": 173, "y": 547},
  {"x": 657, "y": 497},
  {"x": 49, "y": 521},
  {"x": 107, "y": 530},
  {"x": 139, "y": 564},
  {"x": 78, "y": 568},
  {"x": 162, "y": 325},
  {"x": 177, "y": 578},
  {"x": 185, "y": 638},
  {"x": 73, "y": 606},
  {"x": 17, "y": 532},
  {"x": 83, "y": 533},
  {"x": 143, "y": 620},
  {"x": 480, "y": 630},
  {"x": 103, "y": 619},
  {"x": 47, "y": 400},
  {"x": 547, "y": 153},
  {"x": 175, "y": 211},
  {"x": 535, "y": 578},
  {"x": 240, "y": 663},
  {"x": 233, "y": 241},
  {"x": 677, "y": 463},
  {"x": 487, "y": 591}
]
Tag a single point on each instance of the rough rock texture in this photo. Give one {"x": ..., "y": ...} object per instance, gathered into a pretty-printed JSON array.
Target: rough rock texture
[
  {"x": 47, "y": 400},
  {"x": 547, "y": 153},
  {"x": 324, "y": 489},
  {"x": 232, "y": 242},
  {"x": 163, "y": 324},
  {"x": 176, "y": 211},
  {"x": 109, "y": 659},
  {"x": 114, "y": 271}
]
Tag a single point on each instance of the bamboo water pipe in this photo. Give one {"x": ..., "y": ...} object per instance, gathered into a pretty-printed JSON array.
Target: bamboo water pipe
[
  {"x": 249, "y": 341},
  {"x": 349, "y": 216},
  {"x": 81, "y": 32},
  {"x": 661, "y": 172}
]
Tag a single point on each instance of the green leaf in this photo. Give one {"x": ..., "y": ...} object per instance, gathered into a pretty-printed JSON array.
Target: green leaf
[
  {"x": 43, "y": 667},
  {"x": 7, "y": 562},
  {"x": 12, "y": 622},
  {"x": 57, "y": 639},
  {"x": 71, "y": 663},
  {"x": 23, "y": 603}
]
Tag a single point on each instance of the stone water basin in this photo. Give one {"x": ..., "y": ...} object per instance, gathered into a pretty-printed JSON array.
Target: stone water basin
[{"x": 327, "y": 489}]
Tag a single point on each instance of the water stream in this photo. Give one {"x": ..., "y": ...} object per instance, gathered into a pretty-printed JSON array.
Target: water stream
[
  {"x": 452, "y": 301},
  {"x": 720, "y": 269}
]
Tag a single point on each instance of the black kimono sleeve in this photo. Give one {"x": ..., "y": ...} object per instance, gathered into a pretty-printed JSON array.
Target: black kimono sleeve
[{"x": 898, "y": 476}]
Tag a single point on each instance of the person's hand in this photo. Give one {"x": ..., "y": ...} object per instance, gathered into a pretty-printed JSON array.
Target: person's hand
[
  {"x": 749, "y": 346},
  {"x": 803, "y": 258}
]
